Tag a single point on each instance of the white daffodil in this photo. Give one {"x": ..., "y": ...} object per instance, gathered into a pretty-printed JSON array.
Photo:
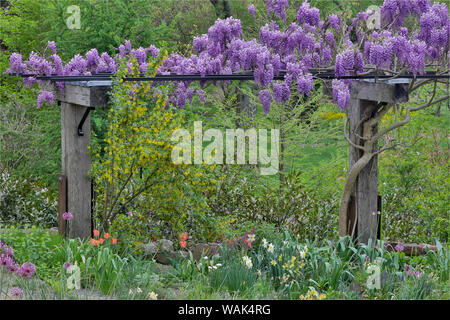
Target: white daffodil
[
  {"x": 302, "y": 254},
  {"x": 152, "y": 296},
  {"x": 249, "y": 263},
  {"x": 251, "y": 237},
  {"x": 270, "y": 248},
  {"x": 264, "y": 243}
]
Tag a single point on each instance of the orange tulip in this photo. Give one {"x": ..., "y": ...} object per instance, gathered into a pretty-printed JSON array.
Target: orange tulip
[
  {"x": 101, "y": 240},
  {"x": 94, "y": 242},
  {"x": 184, "y": 236},
  {"x": 183, "y": 244},
  {"x": 96, "y": 233},
  {"x": 106, "y": 235},
  {"x": 114, "y": 240}
]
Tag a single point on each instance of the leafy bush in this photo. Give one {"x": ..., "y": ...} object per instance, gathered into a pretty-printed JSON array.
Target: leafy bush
[
  {"x": 25, "y": 202},
  {"x": 37, "y": 246},
  {"x": 134, "y": 173},
  {"x": 290, "y": 206},
  {"x": 414, "y": 182}
]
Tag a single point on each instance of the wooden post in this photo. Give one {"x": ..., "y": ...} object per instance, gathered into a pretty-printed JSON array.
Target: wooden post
[
  {"x": 76, "y": 161},
  {"x": 365, "y": 201},
  {"x": 245, "y": 112},
  {"x": 62, "y": 204},
  {"x": 75, "y": 166},
  {"x": 364, "y": 100},
  {"x": 365, "y": 192}
]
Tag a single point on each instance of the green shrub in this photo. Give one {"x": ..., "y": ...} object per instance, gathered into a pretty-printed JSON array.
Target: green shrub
[
  {"x": 290, "y": 206},
  {"x": 37, "y": 246},
  {"x": 26, "y": 203}
]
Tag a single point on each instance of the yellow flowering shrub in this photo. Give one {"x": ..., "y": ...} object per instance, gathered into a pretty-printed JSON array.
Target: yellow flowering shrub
[
  {"x": 332, "y": 115},
  {"x": 135, "y": 178}
]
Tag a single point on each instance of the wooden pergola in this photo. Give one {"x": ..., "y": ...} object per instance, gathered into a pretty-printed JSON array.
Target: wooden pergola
[{"x": 75, "y": 190}]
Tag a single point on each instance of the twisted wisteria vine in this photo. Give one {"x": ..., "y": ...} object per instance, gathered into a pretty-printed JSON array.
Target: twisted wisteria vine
[{"x": 310, "y": 43}]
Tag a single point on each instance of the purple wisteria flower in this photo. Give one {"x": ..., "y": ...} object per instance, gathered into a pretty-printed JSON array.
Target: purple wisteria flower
[
  {"x": 16, "y": 66},
  {"x": 308, "y": 15},
  {"x": 52, "y": 46},
  {"x": 45, "y": 96},
  {"x": 154, "y": 51},
  {"x": 335, "y": 21},
  {"x": 251, "y": 10},
  {"x": 295, "y": 48},
  {"x": 265, "y": 98},
  {"x": 281, "y": 92},
  {"x": 201, "y": 94},
  {"x": 305, "y": 84},
  {"x": 67, "y": 216},
  {"x": 278, "y": 7},
  {"x": 341, "y": 94}
]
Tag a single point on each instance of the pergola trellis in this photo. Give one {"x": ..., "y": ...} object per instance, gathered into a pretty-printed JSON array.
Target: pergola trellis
[{"x": 84, "y": 93}]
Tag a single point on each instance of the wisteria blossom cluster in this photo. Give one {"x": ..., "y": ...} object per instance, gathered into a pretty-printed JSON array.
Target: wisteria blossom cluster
[
  {"x": 293, "y": 49},
  {"x": 92, "y": 63},
  {"x": 7, "y": 261}
]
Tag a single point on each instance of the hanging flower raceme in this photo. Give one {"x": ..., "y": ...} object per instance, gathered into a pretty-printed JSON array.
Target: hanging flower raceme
[
  {"x": 278, "y": 7},
  {"x": 341, "y": 94},
  {"x": 306, "y": 14}
]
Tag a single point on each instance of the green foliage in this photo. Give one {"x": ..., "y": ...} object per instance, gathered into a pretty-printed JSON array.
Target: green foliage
[
  {"x": 414, "y": 181},
  {"x": 233, "y": 275},
  {"x": 135, "y": 172},
  {"x": 37, "y": 246},
  {"x": 292, "y": 206},
  {"x": 30, "y": 141},
  {"x": 26, "y": 202},
  {"x": 23, "y": 25}
]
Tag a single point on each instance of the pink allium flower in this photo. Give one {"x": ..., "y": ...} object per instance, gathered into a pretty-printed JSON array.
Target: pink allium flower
[
  {"x": 12, "y": 268},
  {"x": 67, "y": 216},
  {"x": 27, "y": 270},
  {"x": 399, "y": 248},
  {"x": 6, "y": 261},
  {"x": 16, "y": 293},
  {"x": 67, "y": 265}
]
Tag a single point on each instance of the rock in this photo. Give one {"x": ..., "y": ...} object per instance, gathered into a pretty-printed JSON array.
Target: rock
[
  {"x": 150, "y": 249},
  {"x": 160, "y": 251},
  {"x": 183, "y": 254},
  {"x": 201, "y": 248},
  {"x": 411, "y": 249},
  {"x": 166, "y": 245}
]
